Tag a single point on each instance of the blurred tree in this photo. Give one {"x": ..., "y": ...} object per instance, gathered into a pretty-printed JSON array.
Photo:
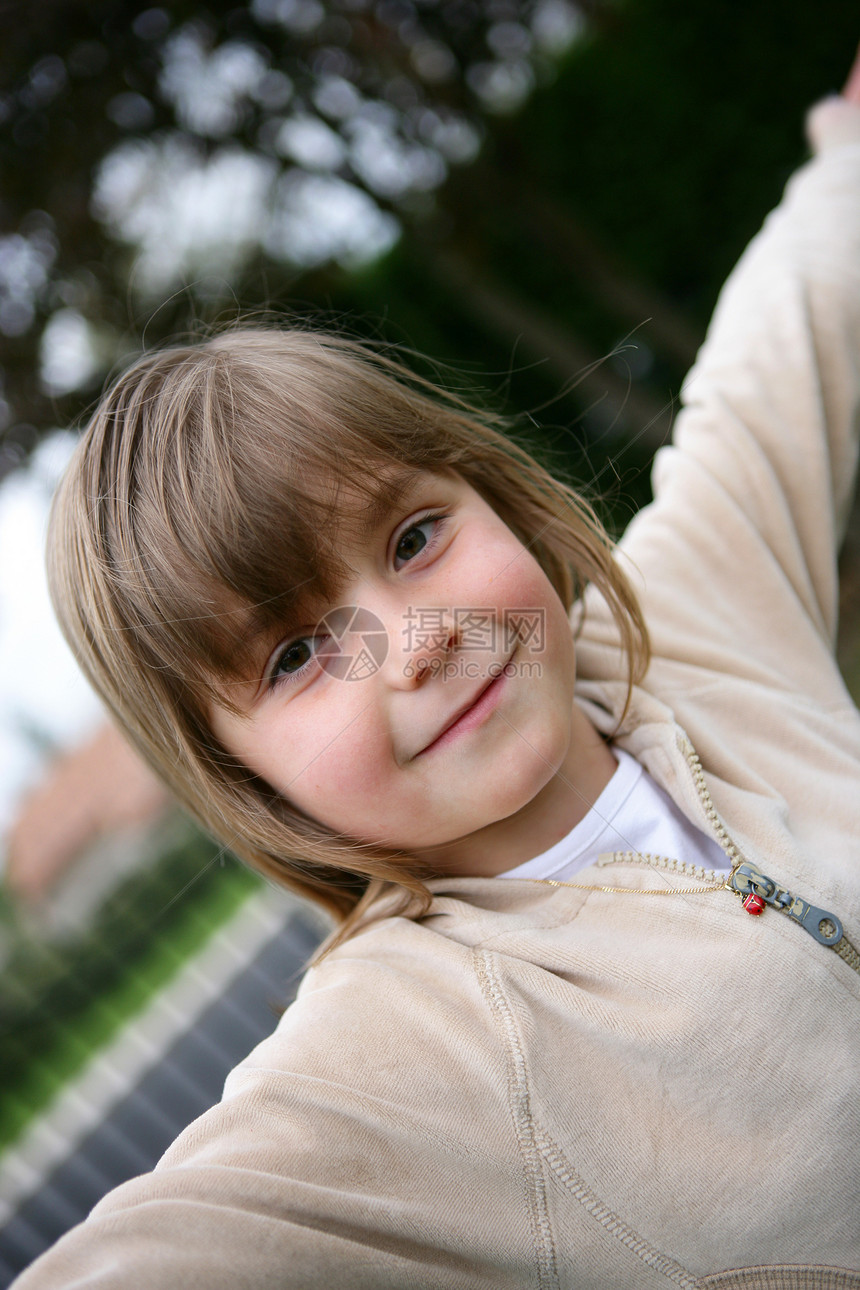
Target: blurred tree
[
  {"x": 148, "y": 151},
  {"x": 435, "y": 163}
]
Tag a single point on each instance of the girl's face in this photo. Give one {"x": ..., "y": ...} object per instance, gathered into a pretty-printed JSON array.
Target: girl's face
[{"x": 431, "y": 708}]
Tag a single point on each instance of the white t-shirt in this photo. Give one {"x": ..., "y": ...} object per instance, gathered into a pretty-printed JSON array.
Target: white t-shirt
[{"x": 631, "y": 814}]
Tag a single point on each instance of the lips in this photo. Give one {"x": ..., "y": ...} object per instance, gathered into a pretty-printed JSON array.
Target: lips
[{"x": 470, "y": 714}]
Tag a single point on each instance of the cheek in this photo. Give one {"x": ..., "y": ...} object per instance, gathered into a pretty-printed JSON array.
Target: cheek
[
  {"x": 344, "y": 764},
  {"x": 524, "y": 586},
  {"x": 513, "y": 570}
]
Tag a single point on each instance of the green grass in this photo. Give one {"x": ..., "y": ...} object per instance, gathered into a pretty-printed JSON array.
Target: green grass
[{"x": 41, "y": 1056}]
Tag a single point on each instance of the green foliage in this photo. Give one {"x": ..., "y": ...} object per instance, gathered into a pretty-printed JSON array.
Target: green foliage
[
  {"x": 674, "y": 128},
  {"x": 665, "y": 134},
  {"x": 61, "y": 999}
]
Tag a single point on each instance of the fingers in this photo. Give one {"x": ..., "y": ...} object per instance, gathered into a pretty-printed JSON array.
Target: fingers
[{"x": 851, "y": 92}]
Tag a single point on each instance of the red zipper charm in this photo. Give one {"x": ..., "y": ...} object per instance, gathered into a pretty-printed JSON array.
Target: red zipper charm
[{"x": 753, "y": 904}]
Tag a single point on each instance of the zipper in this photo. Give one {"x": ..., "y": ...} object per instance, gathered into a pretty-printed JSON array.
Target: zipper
[
  {"x": 733, "y": 852},
  {"x": 668, "y": 863},
  {"x": 756, "y": 890}
]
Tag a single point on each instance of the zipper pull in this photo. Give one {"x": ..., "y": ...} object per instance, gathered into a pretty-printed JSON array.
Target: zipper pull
[{"x": 755, "y": 887}]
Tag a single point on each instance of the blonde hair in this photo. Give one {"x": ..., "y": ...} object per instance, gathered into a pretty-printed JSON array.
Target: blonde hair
[{"x": 192, "y": 513}]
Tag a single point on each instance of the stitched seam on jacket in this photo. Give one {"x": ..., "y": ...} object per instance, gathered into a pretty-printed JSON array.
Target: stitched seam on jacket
[
  {"x": 520, "y": 1106},
  {"x": 608, "y": 1219}
]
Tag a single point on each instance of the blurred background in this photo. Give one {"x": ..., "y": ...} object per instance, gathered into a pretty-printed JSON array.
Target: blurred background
[{"x": 541, "y": 196}]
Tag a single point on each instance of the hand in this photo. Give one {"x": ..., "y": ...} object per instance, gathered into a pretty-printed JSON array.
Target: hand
[{"x": 851, "y": 92}]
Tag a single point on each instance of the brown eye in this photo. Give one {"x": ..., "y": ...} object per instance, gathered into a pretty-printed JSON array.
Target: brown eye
[
  {"x": 412, "y": 541},
  {"x": 294, "y": 657}
]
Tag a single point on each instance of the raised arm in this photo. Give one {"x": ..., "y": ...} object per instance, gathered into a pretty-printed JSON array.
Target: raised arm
[{"x": 736, "y": 557}]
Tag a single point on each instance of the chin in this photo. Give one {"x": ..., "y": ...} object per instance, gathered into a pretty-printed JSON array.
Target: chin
[{"x": 521, "y": 790}]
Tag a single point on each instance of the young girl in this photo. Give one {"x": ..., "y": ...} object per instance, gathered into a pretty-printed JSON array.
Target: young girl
[{"x": 591, "y": 1016}]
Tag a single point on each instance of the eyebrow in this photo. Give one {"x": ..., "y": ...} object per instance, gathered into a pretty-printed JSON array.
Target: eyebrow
[{"x": 391, "y": 492}]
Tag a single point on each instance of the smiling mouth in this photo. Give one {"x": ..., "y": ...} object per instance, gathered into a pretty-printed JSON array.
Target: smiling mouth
[{"x": 472, "y": 715}]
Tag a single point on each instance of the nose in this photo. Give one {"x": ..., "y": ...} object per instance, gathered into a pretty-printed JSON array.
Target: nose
[{"x": 421, "y": 646}]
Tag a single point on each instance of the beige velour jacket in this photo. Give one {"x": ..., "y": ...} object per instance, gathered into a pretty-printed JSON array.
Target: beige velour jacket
[{"x": 567, "y": 1089}]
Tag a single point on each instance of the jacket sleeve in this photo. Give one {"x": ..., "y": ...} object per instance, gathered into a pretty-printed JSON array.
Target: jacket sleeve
[
  {"x": 735, "y": 560},
  {"x": 337, "y": 1155}
]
